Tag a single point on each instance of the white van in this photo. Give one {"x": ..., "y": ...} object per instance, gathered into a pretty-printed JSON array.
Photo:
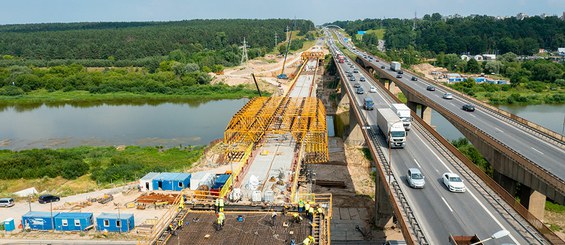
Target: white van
[{"x": 6, "y": 202}]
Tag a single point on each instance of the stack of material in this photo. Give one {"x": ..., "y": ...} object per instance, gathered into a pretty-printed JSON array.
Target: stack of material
[{"x": 152, "y": 198}]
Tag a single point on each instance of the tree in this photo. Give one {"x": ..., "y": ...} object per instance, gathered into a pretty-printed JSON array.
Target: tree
[
  {"x": 493, "y": 67},
  {"x": 473, "y": 66}
]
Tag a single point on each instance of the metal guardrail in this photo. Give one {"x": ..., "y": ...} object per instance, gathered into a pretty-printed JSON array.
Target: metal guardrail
[
  {"x": 408, "y": 223},
  {"x": 509, "y": 199}
]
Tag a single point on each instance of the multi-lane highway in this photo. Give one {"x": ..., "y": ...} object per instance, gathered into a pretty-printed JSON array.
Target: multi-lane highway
[
  {"x": 547, "y": 154},
  {"x": 438, "y": 211}
]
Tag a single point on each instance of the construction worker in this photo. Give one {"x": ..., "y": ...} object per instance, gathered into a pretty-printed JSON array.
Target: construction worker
[
  {"x": 320, "y": 210},
  {"x": 220, "y": 221},
  {"x": 180, "y": 224},
  {"x": 273, "y": 218},
  {"x": 171, "y": 227},
  {"x": 311, "y": 213},
  {"x": 308, "y": 241},
  {"x": 221, "y": 205},
  {"x": 300, "y": 206},
  {"x": 222, "y": 217},
  {"x": 296, "y": 218},
  {"x": 311, "y": 239},
  {"x": 306, "y": 207},
  {"x": 217, "y": 205}
]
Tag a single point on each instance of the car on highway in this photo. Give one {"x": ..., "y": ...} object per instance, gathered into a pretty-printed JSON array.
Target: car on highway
[
  {"x": 357, "y": 85},
  {"x": 415, "y": 178},
  {"x": 400, "y": 72},
  {"x": 47, "y": 198},
  {"x": 349, "y": 75},
  {"x": 431, "y": 88},
  {"x": 447, "y": 96},
  {"x": 362, "y": 79},
  {"x": 355, "y": 71},
  {"x": 414, "y": 78},
  {"x": 399, "y": 76},
  {"x": 360, "y": 91},
  {"x": 468, "y": 107},
  {"x": 373, "y": 89},
  {"x": 7, "y": 202},
  {"x": 352, "y": 78},
  {"x": 382, "y": 67},
  {"x": 351, "y": 66},
  {"x": 453, "y": 182}
]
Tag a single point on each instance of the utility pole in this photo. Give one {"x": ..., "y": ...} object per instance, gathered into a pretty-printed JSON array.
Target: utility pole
[
  {"x": 244, "y": 56},
  {"x": 414, "y": 24},
  {"x": 276, "y": 41}
]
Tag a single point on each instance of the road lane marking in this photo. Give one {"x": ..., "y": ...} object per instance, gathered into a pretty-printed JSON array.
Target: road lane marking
[
  {"x": 537, "y": 150},
  {"x": 492, "y": 216},
  {"x": 498, "y": 129},
  {"x": 447, "y": 204},
  {"x": 433, "y": 152},
  {"x": 417, "y": 163}
]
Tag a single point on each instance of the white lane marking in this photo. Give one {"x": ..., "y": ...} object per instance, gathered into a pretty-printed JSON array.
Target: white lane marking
[
  {"x": 417, "y": 163},
  {"x": 433, "y": 152},
  {"x": 537, "y": 150},
  {"x": 492, "y": 216},
  {"x": 436, "y": 170},
  {"x": 447, "y": 204},
  {"x": 498, "y": 129}
]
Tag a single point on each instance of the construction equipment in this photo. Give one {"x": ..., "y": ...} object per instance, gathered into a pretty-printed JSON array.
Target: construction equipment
[
  {"x": 256, "y": 84},
  {"x": 282, "y": 75}
]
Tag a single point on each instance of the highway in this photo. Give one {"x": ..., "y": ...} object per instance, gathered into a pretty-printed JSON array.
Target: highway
[
  {"x": 548, "y": 155},
  {"x": 438, "y": 211}
]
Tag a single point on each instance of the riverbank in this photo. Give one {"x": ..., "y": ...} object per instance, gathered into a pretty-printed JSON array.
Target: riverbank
[
  {"x": 88, "y": 168},
  {"x": 209, "y": 92}
]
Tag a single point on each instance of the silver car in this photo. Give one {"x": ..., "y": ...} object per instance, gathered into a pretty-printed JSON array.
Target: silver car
[
  {"x": 448, "y": 96},
  {"x": 415, "y": 178}
]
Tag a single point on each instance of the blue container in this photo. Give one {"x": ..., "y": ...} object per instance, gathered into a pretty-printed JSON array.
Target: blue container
[
  {"x": 171, "y": 181},
  {"x": 39, "y": 220},
  {"x": 113, "y": 222},
  {"x": 73, "y": 221},
  {"x": 9, "y": 224},
  {"x": 220, "y": 181}
]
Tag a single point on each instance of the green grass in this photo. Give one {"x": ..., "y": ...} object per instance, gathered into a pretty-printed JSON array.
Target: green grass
[
  {"x": 107, "y": 166},
  {"x": 43, "y": 96},
  {"x": 554, "y": 207},
  {"x": 402, "y": 97},
  {"x": 367, "y": 154},
  {"x": 555, "y": 227},
  {"x": 379, "y": 32}
]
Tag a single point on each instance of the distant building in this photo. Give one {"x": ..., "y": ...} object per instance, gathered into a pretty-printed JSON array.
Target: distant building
[
  {"x": 561, "y": 51},
  {"x": 563, "y": 16},
  {"x": 489, "y": 56},
  {"x": 478, "y": 57},
  {"x": 465, "y": 57},
  {"x": 521, "y": 16}
]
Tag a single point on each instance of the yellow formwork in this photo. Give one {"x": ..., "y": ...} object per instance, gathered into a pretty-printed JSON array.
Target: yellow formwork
[{"x": 307, "y": 55}]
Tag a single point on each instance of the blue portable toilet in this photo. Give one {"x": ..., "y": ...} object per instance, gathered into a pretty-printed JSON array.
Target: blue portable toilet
[
  {"x": 9, "y": 224},
  {"x": 73, "y": 221},
  {"x": 39, "y": 220},
  {"x": 113, "y": 222}
]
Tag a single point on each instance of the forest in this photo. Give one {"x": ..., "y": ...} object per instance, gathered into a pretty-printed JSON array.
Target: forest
[
  {"x": 169, "y": 58},
  {"x": 473, "y": 34}
]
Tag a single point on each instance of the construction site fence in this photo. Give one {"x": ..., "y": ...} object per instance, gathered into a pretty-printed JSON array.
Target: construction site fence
[
  {"x": 500, "y": 191},
  {"x": 228, "y": 185}
]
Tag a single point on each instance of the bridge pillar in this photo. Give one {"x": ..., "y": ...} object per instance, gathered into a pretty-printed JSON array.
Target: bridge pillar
[
  {"x": 506, "y": 182},
  {"x": 533, "y": 200},
  {"x": 392, "y": 87},
  {"x": 383, "y": 207},
  {"x": 412, "y": 105},
  {"x": 387, "y": 83},
  {"x": 426, "y": 114},
  {"x": 355, "y": 136}
]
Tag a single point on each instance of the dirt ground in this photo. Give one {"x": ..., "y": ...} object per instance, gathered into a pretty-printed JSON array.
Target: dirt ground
[{"x": 556, "y": 219}]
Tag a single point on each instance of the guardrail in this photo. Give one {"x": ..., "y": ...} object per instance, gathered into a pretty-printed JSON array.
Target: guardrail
[
  {"x": 405, "y": 216},
  {"x": 509, "y": 199}
]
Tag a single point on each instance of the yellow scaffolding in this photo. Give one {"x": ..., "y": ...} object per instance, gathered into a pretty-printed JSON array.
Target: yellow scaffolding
[{"x": 307, "y": 55}]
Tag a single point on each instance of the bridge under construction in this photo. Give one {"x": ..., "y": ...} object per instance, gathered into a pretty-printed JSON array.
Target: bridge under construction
[{"x": 267, "y": 142}]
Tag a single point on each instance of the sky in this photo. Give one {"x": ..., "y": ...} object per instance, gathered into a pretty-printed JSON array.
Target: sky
[{"x": 319, "y": 11}]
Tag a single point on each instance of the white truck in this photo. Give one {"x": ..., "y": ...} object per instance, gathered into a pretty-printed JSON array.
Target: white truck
[
  {"x": 395, "y": 66},
  {"x": 392, "y": 127},
  {"x": 403, "y": 112}
]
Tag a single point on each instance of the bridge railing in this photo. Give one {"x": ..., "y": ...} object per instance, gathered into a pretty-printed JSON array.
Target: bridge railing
[{"x": 509, "y": 199}]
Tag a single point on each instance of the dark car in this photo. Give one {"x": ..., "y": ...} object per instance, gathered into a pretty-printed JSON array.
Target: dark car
[
  {"x": 47, "y": 198},
  {"x": 431, "y": 88},
  {"x": 382, "y": 67},
  {"x": 357, "y": 85},
  {"x": 399, "y": 76},
  {"x": 468, "y": 107},
  {"x": 414, "y": 79},
  {"x": 360, "y": 91},
  {"x": 400, "y": 72}
]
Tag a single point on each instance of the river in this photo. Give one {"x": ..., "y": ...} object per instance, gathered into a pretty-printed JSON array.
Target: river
[
  {"x": 120, "y": 123},
  {"x": 548, "y": 116}
]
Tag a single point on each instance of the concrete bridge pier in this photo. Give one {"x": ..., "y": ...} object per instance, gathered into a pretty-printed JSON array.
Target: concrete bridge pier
[
  {"x": 355, "y": 135},
  {"x": 383, "y": 207}
]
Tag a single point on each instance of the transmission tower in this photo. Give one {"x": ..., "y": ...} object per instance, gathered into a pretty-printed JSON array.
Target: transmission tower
[
  {"x": 244, "y": 56},
  {"x": 414, "y": 24},
  {"x": 276, "y": 41}
]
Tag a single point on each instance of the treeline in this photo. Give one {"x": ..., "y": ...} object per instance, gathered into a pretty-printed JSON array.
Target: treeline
[
  {"x": 474, "y": 35},
  {"x": 473, "y": 154},
  {"x": 172, "y": 77},
  {"x": 137, "y": 40},
  {"x": 105, "y": 164}
]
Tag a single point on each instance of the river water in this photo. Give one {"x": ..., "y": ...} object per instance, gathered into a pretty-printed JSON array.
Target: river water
[
  {"x": 548, "y": 116},
  {"x": 131, "y": 123}
]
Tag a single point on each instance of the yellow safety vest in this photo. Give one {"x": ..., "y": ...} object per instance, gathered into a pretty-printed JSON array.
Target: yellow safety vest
[
  {"x": 311, "y": 210},
  {"x": 306, "y": 241},
  {"x": 221, "y": 202},
  {"x": 301, "y": 204}
]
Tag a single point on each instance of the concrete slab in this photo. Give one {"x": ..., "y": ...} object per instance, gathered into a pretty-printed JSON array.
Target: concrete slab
[
  {"x": 353, "y": 213},
  {"x": 344, "y": 214}
]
